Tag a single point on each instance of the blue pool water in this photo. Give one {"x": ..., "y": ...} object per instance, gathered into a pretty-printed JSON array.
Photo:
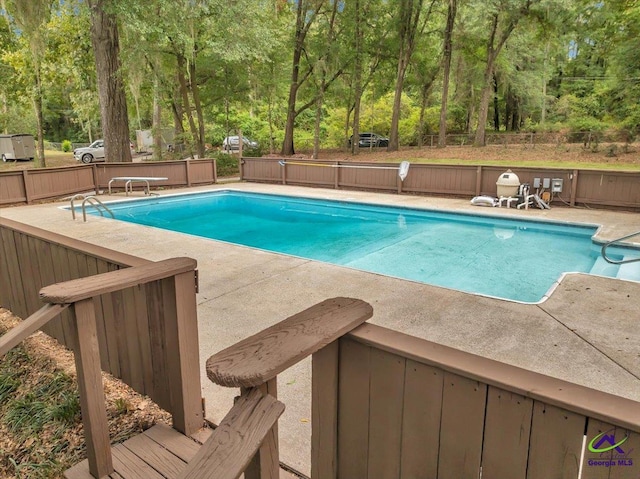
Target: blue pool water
[{"x": 506, "y": 258}]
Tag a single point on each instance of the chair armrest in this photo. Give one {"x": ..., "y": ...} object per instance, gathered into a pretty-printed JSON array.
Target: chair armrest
[
  {"x": 230, "y": 448},
  {"x": 261, "y": 357}
]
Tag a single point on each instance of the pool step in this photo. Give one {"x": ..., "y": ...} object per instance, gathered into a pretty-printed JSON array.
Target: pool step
[
  {"x": 602, "y": 268},
  {"x": 630, "y": 270}
]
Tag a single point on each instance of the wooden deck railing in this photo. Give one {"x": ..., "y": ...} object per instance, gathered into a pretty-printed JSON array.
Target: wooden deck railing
[
  {"x": 389, "y": 405},
  {"x": 181, "y": 336}
]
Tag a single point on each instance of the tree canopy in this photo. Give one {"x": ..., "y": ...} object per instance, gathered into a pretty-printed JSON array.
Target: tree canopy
[{"x": 307, "y": 74}]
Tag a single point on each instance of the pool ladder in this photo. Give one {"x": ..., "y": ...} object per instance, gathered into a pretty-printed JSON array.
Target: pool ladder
[
  {"x": 93, "y": 201},
  {"x": 603, "y": 251}
]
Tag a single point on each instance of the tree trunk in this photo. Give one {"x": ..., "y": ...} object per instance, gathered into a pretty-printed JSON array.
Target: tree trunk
[
  {"x": 496, "y": 110},
  {"x": 409, "y": 21},
  {"x": 186, "y": 104},
  {"x": 113, "y": 101},
  {"x": 448, "y": 50},
  {"x": 287, "y": 145},
  {"x": 493, "y": 50},
  {"x": 195, "y": 93},
  {"x": 157, "y": 122},
  {"x": 357, "y": 80},
  {"x": 40, "y": 161}
]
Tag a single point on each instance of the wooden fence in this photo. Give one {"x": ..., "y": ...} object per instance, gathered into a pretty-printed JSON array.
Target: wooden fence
[
  {"x": 601, "y": 188},
  {"x": 132, "y": 324},
  {"x": 386, "y": 405},
  {"x": 26, "y": 186}
]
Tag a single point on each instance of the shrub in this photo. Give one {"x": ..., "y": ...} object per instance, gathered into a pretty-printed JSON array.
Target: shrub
[
  {"x": 66, "y": 146},
  {"x": 226, "y": 165}
]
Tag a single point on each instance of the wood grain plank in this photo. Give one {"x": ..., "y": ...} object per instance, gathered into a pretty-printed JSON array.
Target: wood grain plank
[
  {"x": 47, "y": 276},
  {"x": 6, "y": 288},
  {"x": 157, "y": 337},
  {"x": 235, "y": 441},
  {"x": 179, "y": 444},
  {"x": 16, "y": 283},
  {"x": 353, "y": 409},
  {"x": 324, "y": 411},
  {"x": 91, "y": 269},
  {"x": 421, "y": 421},
  {"x": 627, "y": 461},
  {"x": 27, "y": 327},
  {"x": 72, "y": 291},
  {"x": 266, "y": 461},
  {"x": 184, "y": 366},
  {"x": 29, "y": 265},
  {"x": 506, "y": 435},
  {"x": 109, "y": 325},
  {"x": 385, "y": 414},
  {"x": 555, "y": 446},
  {"x": 62, "y": 272},
  {"x": 130, "y": 466},
  {"x": 263, "y": 356},
  {"x": 463, "y": 407},
  {"x": 161, "y": 459},
  {"x": 116, "y": 299},
  {"x": 597, "y": 465},
  {"x": 144, "y": 341},
  {"x": 130, "y": 323},
  {"x": 92, "y": 402}
]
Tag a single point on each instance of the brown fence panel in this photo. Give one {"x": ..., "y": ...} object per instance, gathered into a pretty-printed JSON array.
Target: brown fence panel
[
  {"x": 261, "y": 169},
  {"x": 315, "y": 174},
  {"x": 441, "y": 179},
  {"x": 353, "y": 410},
  {"x": 555, "y": 443},
  {"x": 176, "y": 172},
  {"x": 45, "y": 183},
  {"x": 608, "y": 188},
  {"x": 409, "y": 408},
  {"x": 130, "y": 323},
  {"x": 12, "y": 188},
  {"x": 202, "y": 172},
  {"x": 369, "y": 178},
  {"x": 506, "y": 435}
]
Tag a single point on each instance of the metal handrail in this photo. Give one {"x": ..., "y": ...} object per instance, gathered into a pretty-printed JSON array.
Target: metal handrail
[
  {"x": 603, "y": 251},
  {"x": 73, "y": 198},
  {"x": 97, "y": 204}
]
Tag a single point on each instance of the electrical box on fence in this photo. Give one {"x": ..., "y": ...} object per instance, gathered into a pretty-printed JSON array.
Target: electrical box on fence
[
  {"x": 556, "y": 185},
  {"x": 536, "y": 182},
  {"x": 546, "y": 183}
]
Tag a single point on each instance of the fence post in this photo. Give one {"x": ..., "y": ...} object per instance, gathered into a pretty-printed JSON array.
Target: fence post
[
  {"x": 187, "y": 165},
  {"x": 574, "y": 188},
  {"x": 284, "y": 173},
  {"x": 215, "y": 169},
  {"x": 336, "y": 183},
  {"x": 94, "y": 413},
  {"x": 94, "y": 172},
  {"x": 27, "y": 195},
  {"x": 179, "y": 305},
  {"x": 478, "y": 180},
  {"x": 324, "y": 411}
]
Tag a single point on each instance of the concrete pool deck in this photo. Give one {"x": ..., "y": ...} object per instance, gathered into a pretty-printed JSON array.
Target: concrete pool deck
[{"x": 587, "y": 332}]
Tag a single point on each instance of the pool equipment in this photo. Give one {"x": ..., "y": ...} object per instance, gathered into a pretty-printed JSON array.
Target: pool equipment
[
  {"x": 508, "y": 184},
  {"x": 403, "y": 169},
  {"x": 484, "y": 200}
]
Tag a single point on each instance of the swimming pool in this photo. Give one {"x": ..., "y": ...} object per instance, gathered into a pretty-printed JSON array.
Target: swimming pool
[{"x": 506, "y": 258}]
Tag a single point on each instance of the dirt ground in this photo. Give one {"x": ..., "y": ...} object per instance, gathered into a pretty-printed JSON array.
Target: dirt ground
[
  {"x": 128, "y": 413},
  {"x": 535, "y": 155},
  {"x": 602, "y": 156}
]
